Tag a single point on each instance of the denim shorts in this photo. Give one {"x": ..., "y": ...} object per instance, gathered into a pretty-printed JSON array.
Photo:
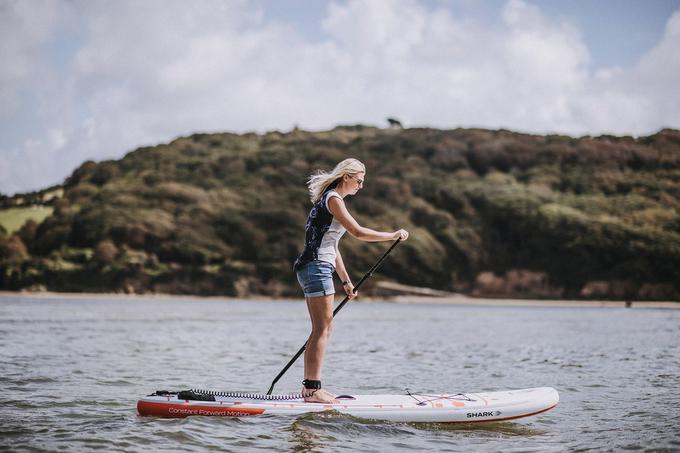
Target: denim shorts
[{"x": 316, "y": 278}]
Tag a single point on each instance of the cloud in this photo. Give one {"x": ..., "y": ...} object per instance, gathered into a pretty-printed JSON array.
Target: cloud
[
  {"x": 25, "y": 31},
  {"x": 146, "y": 72},
  {"x": 657, "y": 78}
]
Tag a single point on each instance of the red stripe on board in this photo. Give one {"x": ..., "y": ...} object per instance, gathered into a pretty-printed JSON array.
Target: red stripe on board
[{"x": 182, "y": 410}]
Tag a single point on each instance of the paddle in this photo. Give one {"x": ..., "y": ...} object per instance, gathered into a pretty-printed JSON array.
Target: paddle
[{"x": 335, "y": 312}]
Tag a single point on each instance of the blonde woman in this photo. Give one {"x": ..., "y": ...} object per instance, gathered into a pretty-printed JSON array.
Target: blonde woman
[{"x": 327, "y": 222}]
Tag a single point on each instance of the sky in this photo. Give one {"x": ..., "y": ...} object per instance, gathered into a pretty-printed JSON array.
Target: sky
[{"x": 94, "y": 79}]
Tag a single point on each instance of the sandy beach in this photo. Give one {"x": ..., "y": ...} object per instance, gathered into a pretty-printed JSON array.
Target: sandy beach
[{"x": 455, "y": 299}]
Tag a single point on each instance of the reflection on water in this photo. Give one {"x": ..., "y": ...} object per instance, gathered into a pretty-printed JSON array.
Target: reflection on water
[
  {"x": 72, "y": 370},
  {"x": 304, "y": 437},
  {"x": 494, "y": 429}
]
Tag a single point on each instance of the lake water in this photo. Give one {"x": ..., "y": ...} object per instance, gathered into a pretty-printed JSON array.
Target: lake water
[{"x": 72, "y": 370}]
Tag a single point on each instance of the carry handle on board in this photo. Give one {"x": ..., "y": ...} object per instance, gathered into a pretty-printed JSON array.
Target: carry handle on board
[{"x": 335, "y": 312}]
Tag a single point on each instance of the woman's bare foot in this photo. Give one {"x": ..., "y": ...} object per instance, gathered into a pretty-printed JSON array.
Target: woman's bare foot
[{"x": 317, "y": 396}]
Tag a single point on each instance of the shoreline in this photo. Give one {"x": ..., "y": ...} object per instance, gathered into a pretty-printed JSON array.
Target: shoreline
[
  {"x": 455, "y": 299},
  {"x": 477, "y": 301}
]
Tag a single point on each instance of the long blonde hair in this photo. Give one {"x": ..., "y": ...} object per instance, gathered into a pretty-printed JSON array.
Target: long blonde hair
[{"x": 320, "y": 181}]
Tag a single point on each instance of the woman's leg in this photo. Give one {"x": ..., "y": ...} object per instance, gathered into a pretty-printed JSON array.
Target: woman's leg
[{"x": 321, "y": 313}]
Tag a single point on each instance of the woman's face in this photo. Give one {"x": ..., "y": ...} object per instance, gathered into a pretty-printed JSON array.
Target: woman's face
[{"x": 355, "y": 182}]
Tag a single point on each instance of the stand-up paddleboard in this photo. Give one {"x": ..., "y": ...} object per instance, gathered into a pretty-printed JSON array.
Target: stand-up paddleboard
[{"x": 411, "y": 407}]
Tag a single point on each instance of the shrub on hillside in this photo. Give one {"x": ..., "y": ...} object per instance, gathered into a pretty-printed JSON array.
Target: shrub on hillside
[
  {"x": 12, "y": 250},
  {"x": 105, "y": 253}
]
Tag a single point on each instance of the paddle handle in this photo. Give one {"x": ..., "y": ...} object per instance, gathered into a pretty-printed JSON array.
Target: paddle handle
[{"x": 335, "y": 312}]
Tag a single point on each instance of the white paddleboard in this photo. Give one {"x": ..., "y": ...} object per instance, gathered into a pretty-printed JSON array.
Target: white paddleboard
[{"x": 412, "y": 407}]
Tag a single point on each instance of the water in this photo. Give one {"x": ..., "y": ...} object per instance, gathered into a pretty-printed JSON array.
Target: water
[{"x": 71, "y": 371}]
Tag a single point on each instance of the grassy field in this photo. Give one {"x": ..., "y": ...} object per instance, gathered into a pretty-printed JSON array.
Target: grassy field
[{"x": 13, "y": 218}]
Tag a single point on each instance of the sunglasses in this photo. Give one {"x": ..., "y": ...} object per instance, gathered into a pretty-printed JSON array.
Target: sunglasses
[{"x": 359, "y": 181}]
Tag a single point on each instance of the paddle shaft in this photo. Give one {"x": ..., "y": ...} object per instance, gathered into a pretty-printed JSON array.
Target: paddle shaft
[{"x": 335, "y": 312}]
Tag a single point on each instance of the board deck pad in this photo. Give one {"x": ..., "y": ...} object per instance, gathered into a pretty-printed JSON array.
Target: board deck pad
[{"x": 410, "y": 407}]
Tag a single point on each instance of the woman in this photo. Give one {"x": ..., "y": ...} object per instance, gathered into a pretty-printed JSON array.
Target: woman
[{"x": 327, "y": 222}]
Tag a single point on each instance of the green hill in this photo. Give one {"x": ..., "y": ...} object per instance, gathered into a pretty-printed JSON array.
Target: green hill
[{"x": 492, "y": 213}]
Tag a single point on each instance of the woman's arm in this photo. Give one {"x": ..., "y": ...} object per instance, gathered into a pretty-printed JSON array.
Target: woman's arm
[
  {"x": 344, "y": 276},
  {"x": 337, "y": 207}
]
